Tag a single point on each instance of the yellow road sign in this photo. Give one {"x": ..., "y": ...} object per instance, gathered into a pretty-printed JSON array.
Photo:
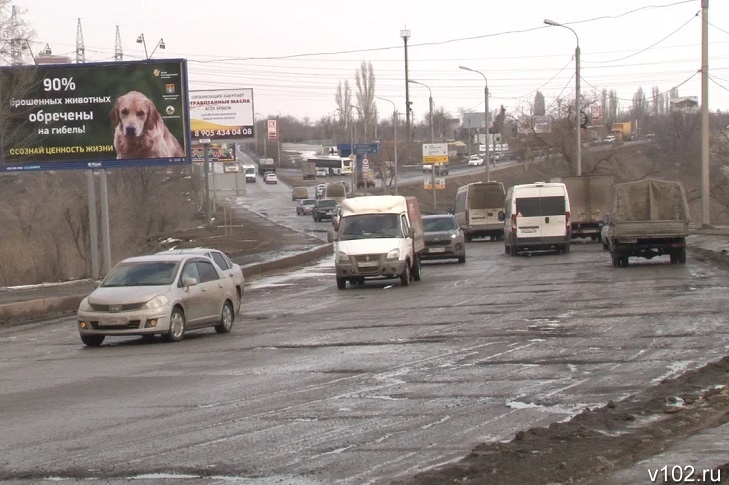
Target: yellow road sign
[{"x": 435, "y": 158}]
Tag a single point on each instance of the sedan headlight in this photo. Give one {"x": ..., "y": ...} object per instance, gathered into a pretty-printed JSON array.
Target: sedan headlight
[
  {"x": 394, "y": 254},
  {"x": 84, "y": 305},
  {"x": 157, "y": 302},
  {"x": 454, "y": 235},
  {"x": 342, "y": 257}
]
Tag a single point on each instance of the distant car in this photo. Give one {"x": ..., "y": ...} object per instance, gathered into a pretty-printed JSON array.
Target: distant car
[
  {"x": 440, "y": 168},
  {"x": 305, "y": 206},
  {"x": 609, "y": 139},
  {"x": 158, "y": 295},
  {"x": 221, "y": 260},
  {"x": 475, "y": 161},
  {"x": 299, "y": 193},
  {"x": 270, "y": 178},
  {"x": 443, "y": 238},
  {"x": 323, "y": 209},
  {"x": 320, "y": 190},
  {"x": 322, "y": 171},
  {"x": 427, "y": 167}
]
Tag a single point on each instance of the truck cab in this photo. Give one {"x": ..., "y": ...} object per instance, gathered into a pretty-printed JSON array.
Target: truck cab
[{"x": 378, "y": 237}]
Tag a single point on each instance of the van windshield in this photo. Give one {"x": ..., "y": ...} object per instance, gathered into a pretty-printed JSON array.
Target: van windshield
[
  {"x": 369, "y": 226},
  {"x": 540, "y": 206}
]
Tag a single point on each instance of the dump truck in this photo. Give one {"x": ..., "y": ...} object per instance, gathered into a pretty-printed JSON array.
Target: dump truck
[
  {"x": 589, "y": 202},
  {"x": 649, "y": 218},
  {"x": 308, "y": 169}
]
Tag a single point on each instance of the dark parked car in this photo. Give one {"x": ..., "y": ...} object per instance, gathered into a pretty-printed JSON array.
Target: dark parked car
[
  {"x": 443, "y": 238},
  {"x": 323, "y": 209}
]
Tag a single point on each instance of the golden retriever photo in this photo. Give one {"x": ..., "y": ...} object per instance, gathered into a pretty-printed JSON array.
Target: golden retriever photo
[{"x": 140, "y": 131}]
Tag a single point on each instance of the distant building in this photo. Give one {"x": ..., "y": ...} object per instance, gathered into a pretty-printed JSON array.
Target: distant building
[
  {"x": 687, "y": 104},
  {"x": 46, "y": 56}
]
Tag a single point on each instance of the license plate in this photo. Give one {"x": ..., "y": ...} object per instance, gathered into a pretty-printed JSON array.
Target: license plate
[
  {"x": 436, "y": 250},
  {"x": 368, "y": 264},
  {"x": 104, "y": 322},
  {"x": 528, "y": 229}
]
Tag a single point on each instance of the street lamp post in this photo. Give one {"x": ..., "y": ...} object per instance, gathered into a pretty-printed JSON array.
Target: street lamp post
[
  {"x": 430, "y": 104},
  {"x": 160, "y": 44},
  {"x": 255, "y": 131},
  {"x": 405, "y": 35},
  {"x": 578, "y": 114},
  {"x": 354, "y": 144},
  {"x": 487, "y": 161},
  {"x": 394, "y": 124}
]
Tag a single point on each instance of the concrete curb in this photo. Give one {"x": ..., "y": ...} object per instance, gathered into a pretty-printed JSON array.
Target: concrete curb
[{"x": 31, "y": 310}]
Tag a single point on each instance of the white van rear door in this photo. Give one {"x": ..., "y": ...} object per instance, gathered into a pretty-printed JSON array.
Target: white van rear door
[{"x": 542, "y": 213}]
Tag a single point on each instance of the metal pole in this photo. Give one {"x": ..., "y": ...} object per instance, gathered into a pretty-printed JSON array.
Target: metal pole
[
  {"x": 354, "y": 163},
  {"x": 405, "y": 34},
  {"x": 705, "y": 168},
  {"x": 208, "y": 209},
  {"x": 278, "y": 141},
  {"x": 215, "y": 209},
  {"x": 432, "y": 182},
  {"x": 430, "y": 99},
  {"x": 105, "y": 235},
  {"x": 395, "y": 126},
  {"x": 93, "y": 224},
  {"x": 486, "y": 129},
  {"x": 578, "y": 112}
]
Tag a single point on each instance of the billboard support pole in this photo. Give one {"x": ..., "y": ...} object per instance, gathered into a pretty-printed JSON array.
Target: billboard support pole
[
  {"x": 208, "y": 211},
  {"x": 105, "y": 235},
  {"x": 215, "y": 192},
  {"x": 432, "y": 184},
  {"x": 93, "y": 224}
]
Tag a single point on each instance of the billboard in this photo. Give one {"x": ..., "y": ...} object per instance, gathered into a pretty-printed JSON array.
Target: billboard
[
  {"x": 475, "y": 120},
  {"x": 224, "y": 152},
  {"x": 272, "y": 129},
  {"x": 94, "y": 115},
  {"x": 221, "y": 114}
]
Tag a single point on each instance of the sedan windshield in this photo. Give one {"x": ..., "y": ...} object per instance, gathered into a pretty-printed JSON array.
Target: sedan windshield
[
  {"x": 436, "y": 224},
  {"x": 327, "y": 204},
  {"x": 143, "y": 273},
  {"x": 367, "y": 226}
]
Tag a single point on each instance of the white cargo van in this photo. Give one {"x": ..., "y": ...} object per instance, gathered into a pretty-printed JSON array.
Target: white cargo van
[
  {"x": 379, "y": 236},
  {"x": 536, "y": 216},
  {"x": 477, "y": 210}
]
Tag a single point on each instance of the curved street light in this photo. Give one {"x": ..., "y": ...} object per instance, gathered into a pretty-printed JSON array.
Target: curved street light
[
  {"x": 486, "y": 119},
  {"x": 394, "y": 123},
  {"x": 430, "y": 103},
  {"x": 160, "y": 44},
  {"x": 578, "y": 136}
]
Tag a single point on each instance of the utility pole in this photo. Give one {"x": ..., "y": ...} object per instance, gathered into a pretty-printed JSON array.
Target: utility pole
[
  {"x": 118, "y": 52},
  {"x": 705, "y": 167},
  {"x": 405, "y": 35},
  {"x": 16, "y": 43}
]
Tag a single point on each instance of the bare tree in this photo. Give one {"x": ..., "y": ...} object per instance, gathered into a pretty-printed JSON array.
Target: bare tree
[
  {"x": 365, "y": 79},
  {"x": 343, "y": 98}
]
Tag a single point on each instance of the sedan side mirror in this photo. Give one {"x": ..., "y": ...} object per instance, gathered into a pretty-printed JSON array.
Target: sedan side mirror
[
  {"x": 188, "y": 282},
  {"x": 502, "y": 216}
]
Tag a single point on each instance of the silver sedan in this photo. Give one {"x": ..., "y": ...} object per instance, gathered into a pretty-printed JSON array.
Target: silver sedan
[{"x": 158, "y": 295}]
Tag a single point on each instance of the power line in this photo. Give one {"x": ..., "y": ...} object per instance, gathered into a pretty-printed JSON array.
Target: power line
[{"x": 718, "y": 84}]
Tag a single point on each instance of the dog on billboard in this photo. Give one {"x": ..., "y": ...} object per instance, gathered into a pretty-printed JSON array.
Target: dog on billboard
[{"x": 140, "y": 131}]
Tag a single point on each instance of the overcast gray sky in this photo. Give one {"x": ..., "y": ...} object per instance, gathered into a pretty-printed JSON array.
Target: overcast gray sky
[{"x": 293, "y": 54}]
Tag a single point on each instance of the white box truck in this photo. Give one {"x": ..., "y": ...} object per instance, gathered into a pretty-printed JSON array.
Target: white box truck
[{"x": 379, "y": 236}]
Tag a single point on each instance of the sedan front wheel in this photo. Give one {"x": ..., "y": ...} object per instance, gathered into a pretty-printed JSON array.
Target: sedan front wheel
[{"x": 177, "y": 326}]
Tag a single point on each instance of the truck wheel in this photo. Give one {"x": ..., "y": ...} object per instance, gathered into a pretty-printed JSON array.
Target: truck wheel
[
  {"x": 405, "y": 276},
  {"x": 469, "y": 238},
  {"x": 462, "y": 259},
  {"x": 341, "y": 283},
  {"x": 566, "y": 248},
  {"x": 417, "y": 269},
  {"x": 512, "y": 250},
  {"x": 624, "y": 262},
  {"x": 674, "y": 256},
  {"x": 682, "y": 256},
  {"x": 594, "y": 237},
  {"x": 616, "y": 261}
]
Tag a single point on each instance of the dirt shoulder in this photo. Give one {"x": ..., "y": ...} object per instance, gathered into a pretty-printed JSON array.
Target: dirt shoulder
[
  {"x": 246, "y": 238},
  {"x": 599, "y": 442}
]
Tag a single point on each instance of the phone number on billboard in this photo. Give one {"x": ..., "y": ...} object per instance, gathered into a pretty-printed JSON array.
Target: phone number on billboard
[{"x": 214, "y": 133}]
